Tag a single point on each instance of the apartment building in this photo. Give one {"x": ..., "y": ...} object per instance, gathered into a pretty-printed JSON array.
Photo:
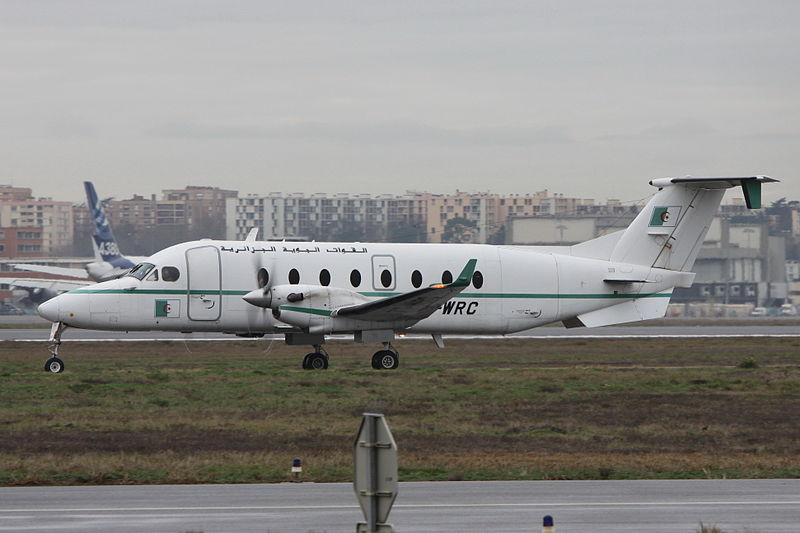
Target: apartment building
[
  {"x": 321, "y": 216},
  {"x": 194, "y": 205},
  {"x": 21, "y": 242},
  {"x": 412, "y": 217},
  {"x": 34, "y": 226}
]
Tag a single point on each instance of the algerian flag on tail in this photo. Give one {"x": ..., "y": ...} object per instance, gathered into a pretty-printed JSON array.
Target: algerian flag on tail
[
  {"x": 168, "y": 308},
  {"x": 666, "y": 217}
]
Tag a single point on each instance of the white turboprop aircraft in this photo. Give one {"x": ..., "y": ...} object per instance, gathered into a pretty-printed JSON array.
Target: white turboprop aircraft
[{"x": 374, "y": 291}]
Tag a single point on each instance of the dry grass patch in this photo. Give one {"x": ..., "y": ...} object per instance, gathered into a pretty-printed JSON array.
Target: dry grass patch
[{"x": 491, "y": 409}]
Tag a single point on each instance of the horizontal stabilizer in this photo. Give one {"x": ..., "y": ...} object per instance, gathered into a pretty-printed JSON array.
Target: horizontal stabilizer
[
  {"x": 751, "y": 185},
  {"x": 51, "y": 284},
  {"x": 59, "y": 271}
]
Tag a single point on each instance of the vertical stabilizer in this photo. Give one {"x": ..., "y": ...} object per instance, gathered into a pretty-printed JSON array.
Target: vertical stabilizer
[
  {"x": 105, "y": 245},
  {"x": 669, "y": 231}
]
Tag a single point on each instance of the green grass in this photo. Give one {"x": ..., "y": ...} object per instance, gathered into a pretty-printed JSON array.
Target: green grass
[{"x": 169, "y": 412}]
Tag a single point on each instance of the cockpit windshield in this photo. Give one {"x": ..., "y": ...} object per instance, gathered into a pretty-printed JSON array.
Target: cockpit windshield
[{"x": 141, "y": 270}]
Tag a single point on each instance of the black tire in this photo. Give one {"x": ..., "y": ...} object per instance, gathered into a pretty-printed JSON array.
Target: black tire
[
  {"x": 385, "y": 360},
  {"x": 305, "y": 361},
  {"x": 54, "y": 365},
  {"x": 317, "y": 361}
]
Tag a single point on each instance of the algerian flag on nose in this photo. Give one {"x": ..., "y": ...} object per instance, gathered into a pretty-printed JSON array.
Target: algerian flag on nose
[
  {"x": 665, "y": 216},
  {"x": 168, "y": 308}
]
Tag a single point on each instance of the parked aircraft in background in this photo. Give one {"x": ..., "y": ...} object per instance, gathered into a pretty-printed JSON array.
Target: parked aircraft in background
[
  {"x": 108, "y": 264},
  {"x": 374, "y": 291}
]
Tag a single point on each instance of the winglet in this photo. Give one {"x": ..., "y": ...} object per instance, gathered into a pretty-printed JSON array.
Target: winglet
[{"x": 465, "y": 277}]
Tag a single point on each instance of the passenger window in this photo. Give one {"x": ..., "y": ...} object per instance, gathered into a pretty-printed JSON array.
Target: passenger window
[
  {"x": 262, "y": 277},
  {"x": 355, "y": 278},
  {"x": 170, "y": 274},
  {"x": 386, "y": 278},
  {"x": 477, "y": 279},
  {"x": 153, "y": 275},
  {"x": 447, "y": 277},
  {"x": 416, "y": 279},
  {"x": 294, "y": 276},
  {"x": 324, "y": 277}
]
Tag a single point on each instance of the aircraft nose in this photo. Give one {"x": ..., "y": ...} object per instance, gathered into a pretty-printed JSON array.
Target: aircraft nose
[{"x": 49, "y": 310}]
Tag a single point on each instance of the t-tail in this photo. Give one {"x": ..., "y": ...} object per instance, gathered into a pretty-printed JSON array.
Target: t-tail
[
  {"x": 103, "y": 241},
  {"x": 670, "y": 230},
  {"x": 660, "y": 246}
]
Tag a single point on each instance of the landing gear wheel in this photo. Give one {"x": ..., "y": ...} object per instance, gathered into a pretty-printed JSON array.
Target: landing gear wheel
[
  {"x": 385, "y": 360},
  {"x": 315, "y": 361},
  {"x": 54, "y": 365}
]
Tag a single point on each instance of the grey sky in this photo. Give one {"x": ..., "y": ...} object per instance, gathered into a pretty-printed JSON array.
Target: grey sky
[{"x": 587, "y": 98}]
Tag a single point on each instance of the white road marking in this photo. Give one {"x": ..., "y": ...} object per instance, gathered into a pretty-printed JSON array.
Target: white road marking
[
  {"x": 399, "y": 506},
  {"x": 464, "y": 337}
]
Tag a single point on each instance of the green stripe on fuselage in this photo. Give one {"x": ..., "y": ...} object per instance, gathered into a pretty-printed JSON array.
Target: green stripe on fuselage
[
  {"x": 508, "y": 295},
  {"x": 309, "y": 310}
]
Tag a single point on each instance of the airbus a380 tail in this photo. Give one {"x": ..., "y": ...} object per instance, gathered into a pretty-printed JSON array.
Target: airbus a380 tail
[
  {"x": 373, "y": 291},
  {"x": 108, "y": 260},
  {"x": 109, "y": 263}
]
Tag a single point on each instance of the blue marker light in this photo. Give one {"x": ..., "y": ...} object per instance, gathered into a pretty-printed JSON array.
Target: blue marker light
[{"x": 297, "y": 469}]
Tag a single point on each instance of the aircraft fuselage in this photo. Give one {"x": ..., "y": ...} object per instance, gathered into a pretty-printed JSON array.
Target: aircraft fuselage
[{"x": 512, "y": 289}]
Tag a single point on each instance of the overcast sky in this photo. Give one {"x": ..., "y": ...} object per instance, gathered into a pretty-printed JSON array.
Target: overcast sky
[{"x": 586, "y": 98}]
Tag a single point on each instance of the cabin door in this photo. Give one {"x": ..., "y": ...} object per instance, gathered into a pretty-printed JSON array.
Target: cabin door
[
  {"x": 204, "y": 283},
  {"x": 383, "y": 278}
]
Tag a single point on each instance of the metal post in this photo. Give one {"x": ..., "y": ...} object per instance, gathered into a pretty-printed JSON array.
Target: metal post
[
  {"x": 372, "y": 509},
  {"x": 375, "y": 473}
]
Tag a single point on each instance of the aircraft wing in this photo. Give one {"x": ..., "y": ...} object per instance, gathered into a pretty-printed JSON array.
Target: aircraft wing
[
  {"x": 58, "y": 285},
  {"x": 414, "y": 305},
  {"x": 61, "y": 271}
]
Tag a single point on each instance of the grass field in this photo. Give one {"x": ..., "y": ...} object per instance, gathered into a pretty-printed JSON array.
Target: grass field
[{"x": 212, "y": 412}]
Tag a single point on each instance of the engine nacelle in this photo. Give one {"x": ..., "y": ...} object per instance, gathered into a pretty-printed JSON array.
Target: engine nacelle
[
  {"x": 302, "y": 302},
  {"x": 314, "y": 297},
  {"x": 311, "y": 307}
]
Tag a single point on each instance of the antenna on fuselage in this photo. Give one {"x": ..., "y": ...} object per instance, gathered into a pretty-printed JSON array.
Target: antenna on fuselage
[{"x": 251, "y": 235}]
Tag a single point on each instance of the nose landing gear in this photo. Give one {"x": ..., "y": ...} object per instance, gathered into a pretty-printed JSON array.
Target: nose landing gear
[{"x": 54, "y": 364}]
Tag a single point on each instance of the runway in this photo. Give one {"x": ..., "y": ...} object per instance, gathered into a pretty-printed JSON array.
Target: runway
[
  {"x": 702, "y": 329},
  {"x": 763, "y": 506}
]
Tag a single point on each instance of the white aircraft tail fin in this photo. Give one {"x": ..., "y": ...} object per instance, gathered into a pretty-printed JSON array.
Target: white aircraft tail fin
[{"x": 669, "y": 231}]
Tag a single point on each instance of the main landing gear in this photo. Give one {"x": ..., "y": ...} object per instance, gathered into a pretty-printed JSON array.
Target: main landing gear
[
  {"x": 316, "y": 360},
  {"x": 386, "y": 359},
  {"x": 54, "y": 364}
]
